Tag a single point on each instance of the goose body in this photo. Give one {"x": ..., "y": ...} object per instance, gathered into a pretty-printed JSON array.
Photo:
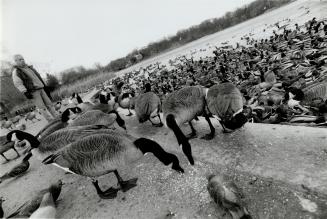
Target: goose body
[
  {"x": 7, "y": 124},
  {"x": 97, "y": 117},
  {"x": 21, "y": 127},
  {"x": 226, "y": 101},
  {"x": 148, "y": 106},
  {"x": 227, "y": 196},
  {"x": 104, "y": 152},
  {"x": 16, "y": 119},
  {"x": 30, "y": 206},
  {"x": 183, "y": 106},
  {"x": 18, "y": 169},
  {"x": 47, "y": 208},
  {"x": 31, "y": 116}
]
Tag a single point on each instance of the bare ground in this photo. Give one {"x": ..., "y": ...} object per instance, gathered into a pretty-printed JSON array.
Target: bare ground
[{"x": 281, "y": 170}]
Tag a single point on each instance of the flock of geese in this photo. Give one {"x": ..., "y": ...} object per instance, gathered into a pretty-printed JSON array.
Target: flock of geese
[{"x": 83, "y": 140}]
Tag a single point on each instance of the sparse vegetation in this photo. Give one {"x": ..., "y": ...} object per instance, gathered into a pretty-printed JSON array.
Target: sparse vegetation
[{"x": 81, "y": 86}]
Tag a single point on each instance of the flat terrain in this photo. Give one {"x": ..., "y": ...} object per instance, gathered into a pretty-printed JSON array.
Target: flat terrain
[{"x": 282, "y": 170}]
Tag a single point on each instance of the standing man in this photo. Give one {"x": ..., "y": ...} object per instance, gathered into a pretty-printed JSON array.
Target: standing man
[{"x": 28, "y": 81}]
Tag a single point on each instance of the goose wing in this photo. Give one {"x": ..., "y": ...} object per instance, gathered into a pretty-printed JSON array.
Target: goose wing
[
  {"x": 65, "y": 136},
  {"x": 51, "y": 127},
  {"x": 95, "y": 154},
  {"x": 95, "y": 117}
]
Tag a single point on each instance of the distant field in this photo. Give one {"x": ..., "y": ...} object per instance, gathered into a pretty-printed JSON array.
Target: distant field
[{"x": 296, "y": 11}]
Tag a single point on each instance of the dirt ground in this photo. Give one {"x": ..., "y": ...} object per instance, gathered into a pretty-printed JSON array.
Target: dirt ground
[{"x": 282, "y": 170}]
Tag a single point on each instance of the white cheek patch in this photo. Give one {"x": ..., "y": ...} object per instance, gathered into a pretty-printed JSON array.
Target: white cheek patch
[
  {"x": 14, "y": 138},
  {"x": 64, "y": 168}
]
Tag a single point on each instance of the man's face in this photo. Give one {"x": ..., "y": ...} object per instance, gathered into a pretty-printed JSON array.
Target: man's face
[{"x": 19, "y": 60}]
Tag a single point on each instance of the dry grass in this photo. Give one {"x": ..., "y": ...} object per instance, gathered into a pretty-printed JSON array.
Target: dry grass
[{"x": 81, "y": 86}]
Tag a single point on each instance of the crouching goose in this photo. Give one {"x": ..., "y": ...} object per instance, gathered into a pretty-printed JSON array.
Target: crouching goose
[
  {"x": 125, "y": 101},
  {"x": 183, "y": 106},
  {"x": 53, "y": 142},
  {"x": 95, "y": 117},
  {"x": 104, "y": 152},
  {"x": 147, "y": 107},
  {"x": 18, "y": 169},
  {"x": 227, "y": 196},
  {"x": 30, "y": 206}
]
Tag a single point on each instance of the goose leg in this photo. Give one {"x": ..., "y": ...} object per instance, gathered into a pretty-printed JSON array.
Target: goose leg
[
  {"x": 5, "y": 157},
  {"x": 125, "y": 185},
  {"x": 130, "y": 113},
  {"x": 211, "y": 135},
  {"x": 193, "y": 133},
  {"x": 108, "y": 194}
]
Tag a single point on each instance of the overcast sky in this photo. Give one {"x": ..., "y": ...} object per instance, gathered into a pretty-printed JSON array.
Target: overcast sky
[{"x": 59, "y": 34}]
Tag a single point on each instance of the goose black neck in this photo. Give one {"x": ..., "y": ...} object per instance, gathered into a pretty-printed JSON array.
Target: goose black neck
[
  {"x": 147, "y": 145},
  {"x": 119, "y": 120},
  {"x": 30, "y": 138},
  {"x": 181, "y": 138},
  {"x": 55, "y": 191},
  {"x": 171, "y": 123}
]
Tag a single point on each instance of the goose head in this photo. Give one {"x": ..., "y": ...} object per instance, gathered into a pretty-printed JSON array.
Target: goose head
[
  {"x": 70, "y": 114},
  {"x": 236, "y": 121},
  {"x": 18, "y": 136}
]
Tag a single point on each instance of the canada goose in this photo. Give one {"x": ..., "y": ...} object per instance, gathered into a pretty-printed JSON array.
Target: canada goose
[
  {"x": 16, "y": 119},
  {"x": 5, "y": 146},
  {"x": 50, "y": 143},
  {"x": 125, "y": 101},
  {"x": 97, "y": 117},
  {"x": 47, "y": 208},
  {"x": 104, "y": 152},
  {"x": 31, "y": 116},
  {"x": 7, "y": 124},
  {"x": 147, "y": 106},
  {"x": 21, "y": 127},
  {"x": 18, "y": 169},
  {"x": 58, "y": 123},
  {"x": 1, "y": 209},
  {"x": 27, "y": 209},
  {"x": 227, "y": 196},
  {"x": 225, "y": 101},
  {"x": 106, "y": 108},
  {"x": 183, "y": 106}
]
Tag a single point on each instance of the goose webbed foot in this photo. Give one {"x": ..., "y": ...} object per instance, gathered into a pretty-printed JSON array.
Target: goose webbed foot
[
  {"x": 127, "y": 185},
  {"x": 225, "y": 131},
  {"x": 158, "y": 125},
  {"x": 209, "y": 136},
  {"x": 110, "y": 193},
  {"x": 191, "y": 135}
]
